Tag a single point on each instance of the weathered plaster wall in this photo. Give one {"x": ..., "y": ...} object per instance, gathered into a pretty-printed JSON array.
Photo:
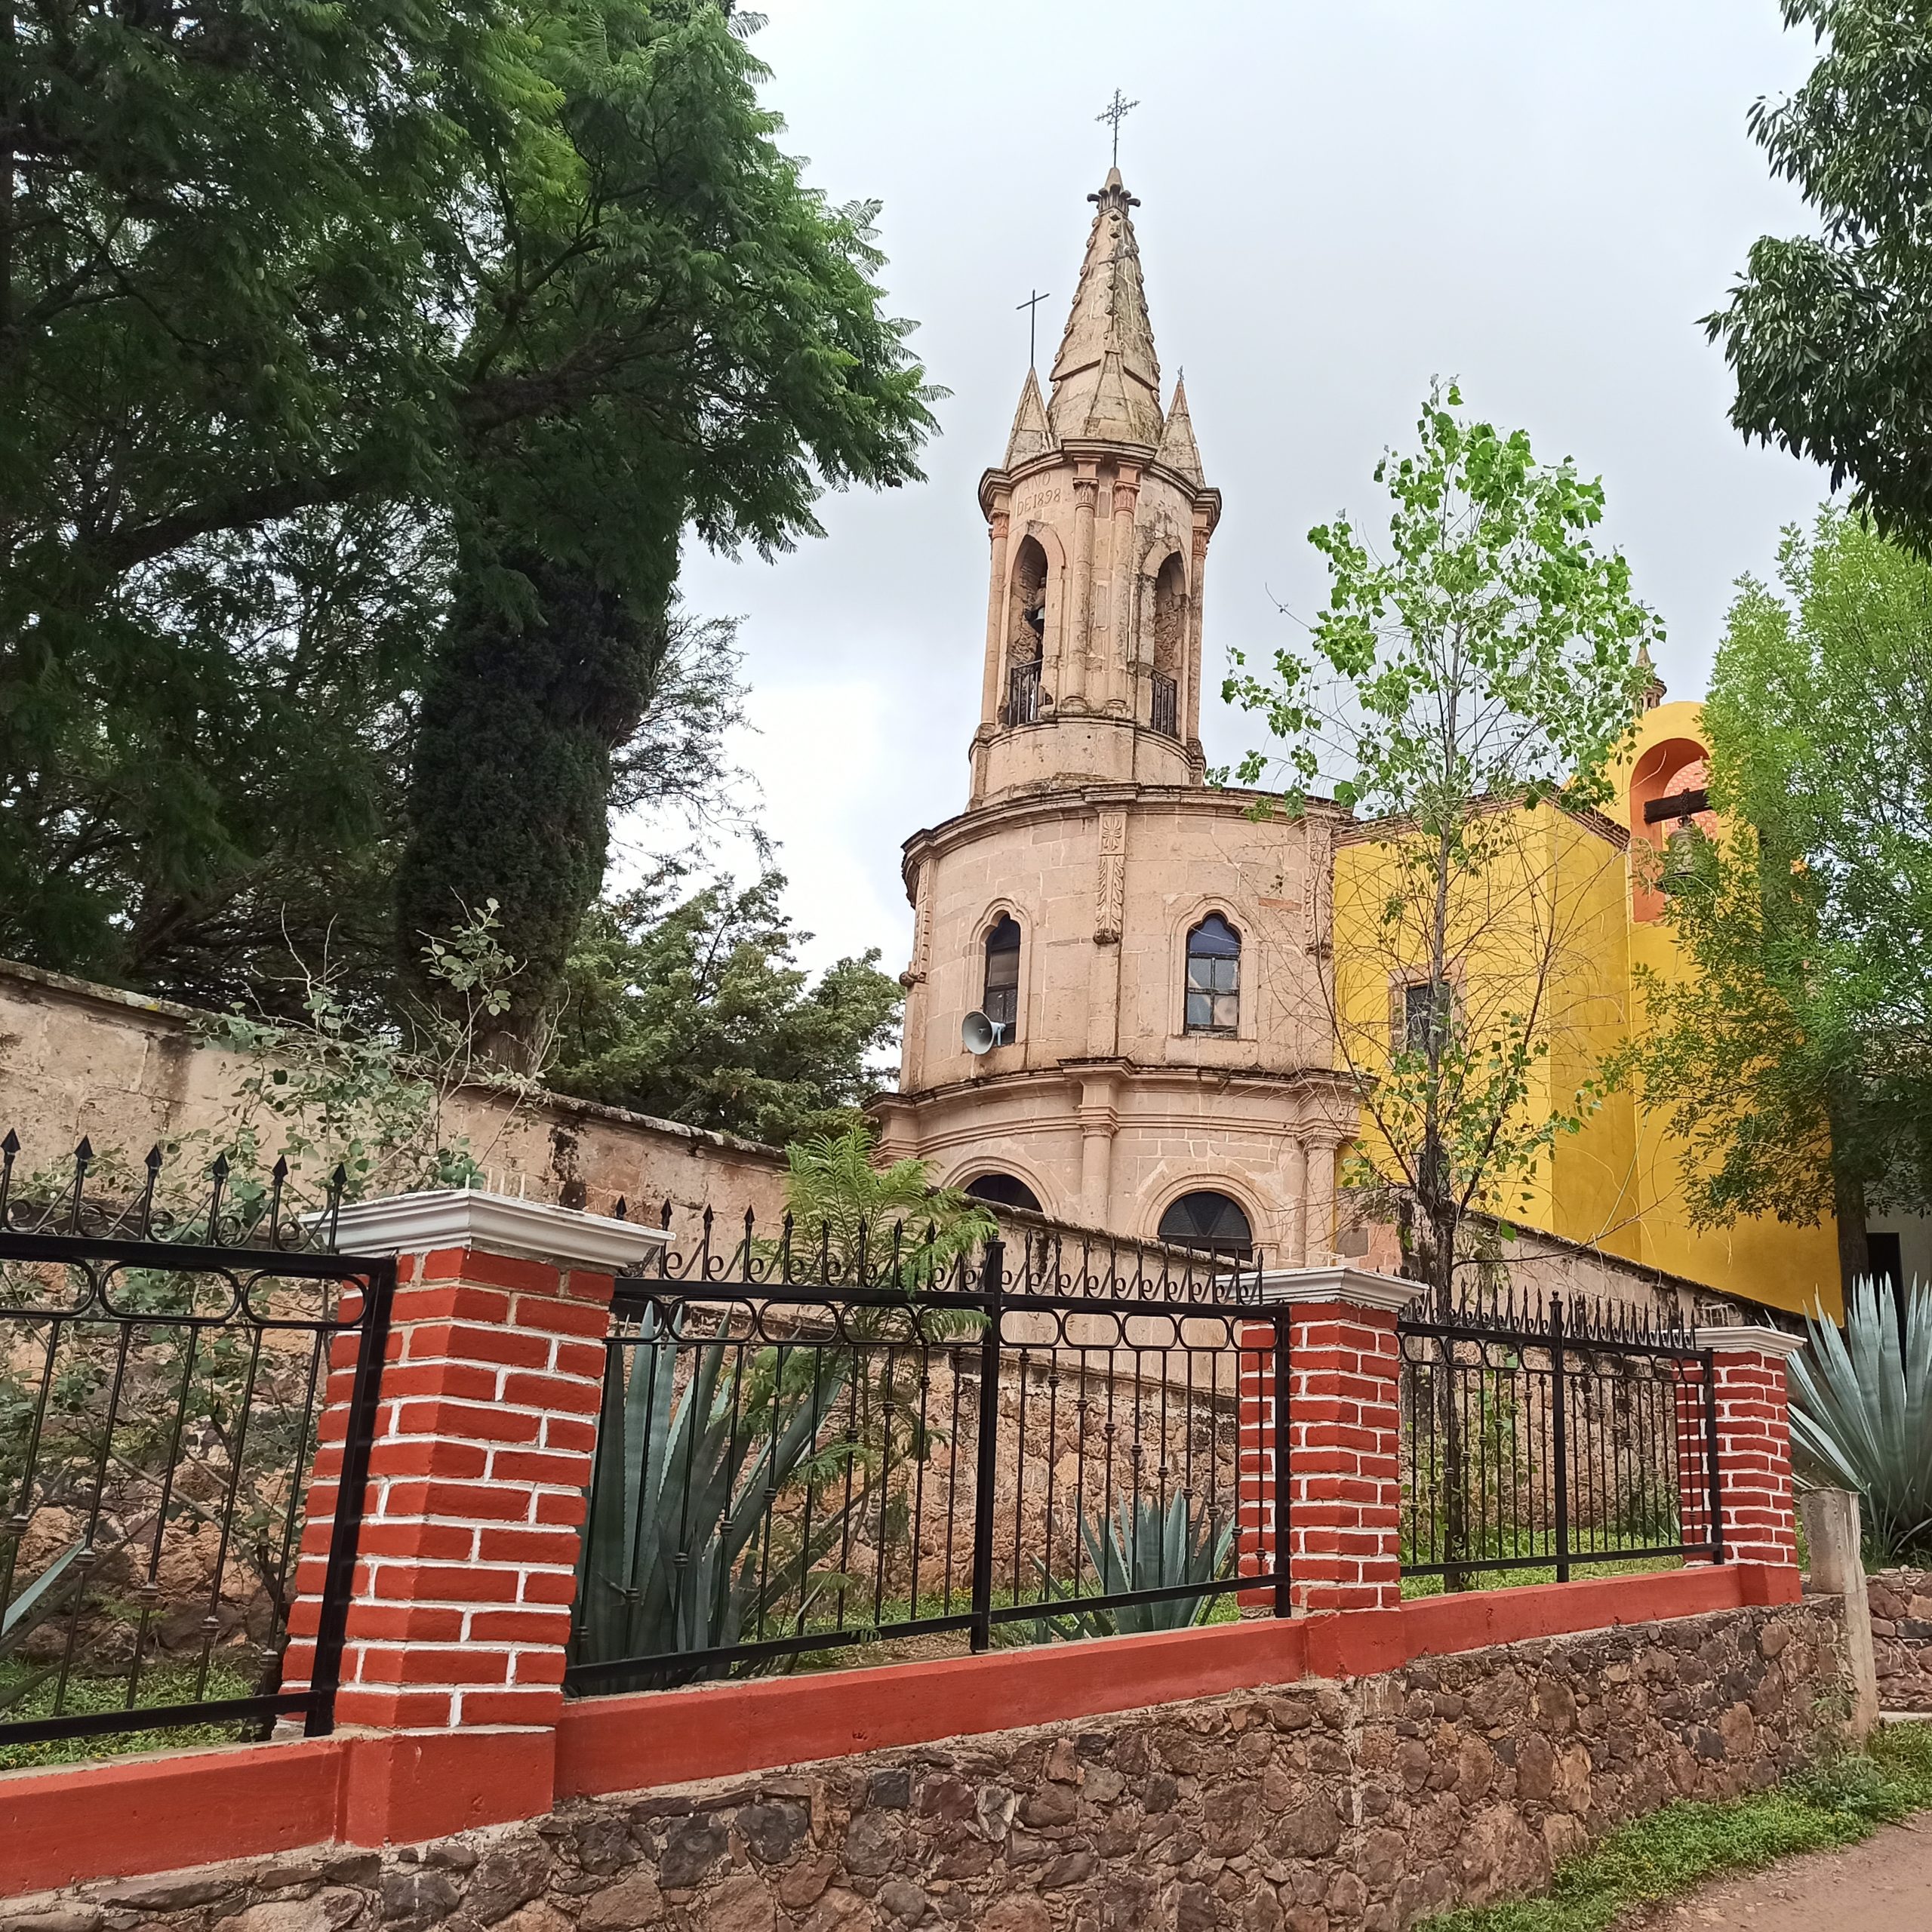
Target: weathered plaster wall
[
  {"x": 77, "y": 1059},
  {"x": 1356, "y": 1807}
]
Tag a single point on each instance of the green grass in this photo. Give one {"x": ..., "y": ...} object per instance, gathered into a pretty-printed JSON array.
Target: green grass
[
  {"x": 1671, "y": 1851},
  {"x": 86, "y": 1695},
  {"x": 1505, "y": 1579}
]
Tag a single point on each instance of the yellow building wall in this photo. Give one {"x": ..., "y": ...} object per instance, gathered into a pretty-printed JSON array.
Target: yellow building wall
[{"x": 1614, "y": 1184}]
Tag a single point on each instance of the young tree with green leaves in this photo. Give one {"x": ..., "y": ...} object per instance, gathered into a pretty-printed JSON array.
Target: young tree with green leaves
[
  {"x": 1470, "y": 686},
  {"x": 694, "y": 1009},
  {"x": 1796, "y": 1060},
  {"x": 1830, "y": 335}
]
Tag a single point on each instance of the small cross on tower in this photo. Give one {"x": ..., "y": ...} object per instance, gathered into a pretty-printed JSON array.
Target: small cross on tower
[
  {"x": 1031, "y": 306},
  {"x": 1117, "y": 110}
]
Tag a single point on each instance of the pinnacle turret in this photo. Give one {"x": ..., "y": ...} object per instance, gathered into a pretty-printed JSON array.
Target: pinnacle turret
[
  {"x": 1106, "y": 378},
  {"x": 1177, "y": 449},
  {"x": 1032, "y": 435}
]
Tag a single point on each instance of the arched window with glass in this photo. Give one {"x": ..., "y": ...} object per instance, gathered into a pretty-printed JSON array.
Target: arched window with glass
[
  {"x": 1209, "y": 1221},
  {"x": 1213, "y": 977},
  {"x": 1000, "y": 1000}
]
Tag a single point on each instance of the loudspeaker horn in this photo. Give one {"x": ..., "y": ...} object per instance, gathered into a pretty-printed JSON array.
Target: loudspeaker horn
[{"x": 979, "y": 1034}]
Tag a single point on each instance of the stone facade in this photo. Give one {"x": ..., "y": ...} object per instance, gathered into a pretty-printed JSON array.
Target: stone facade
[
  {"x": 1901, "y": 1603},
  {"x": 1090, "y": 827},
  {"x": 1090, "y": 824},
  {"x": 126, "y": 1071},
  {"x": 1358, "y": 1807}
]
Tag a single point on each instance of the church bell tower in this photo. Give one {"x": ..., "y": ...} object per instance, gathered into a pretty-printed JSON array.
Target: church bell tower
[{"x": 1099, "y": 520}]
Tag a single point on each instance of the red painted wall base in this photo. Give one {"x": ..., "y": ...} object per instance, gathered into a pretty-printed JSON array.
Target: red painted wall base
[{"x": 128, "y": 1817}]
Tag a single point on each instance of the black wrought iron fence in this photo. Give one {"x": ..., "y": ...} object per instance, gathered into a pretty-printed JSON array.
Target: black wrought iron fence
[
  {"x": 807, "y": 1446},
  {"x": 164, "y": 1361},
  {"x": 1544, "y": 1438}
]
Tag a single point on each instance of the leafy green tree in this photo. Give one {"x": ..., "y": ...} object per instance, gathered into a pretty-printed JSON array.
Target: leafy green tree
[
  {"x": 219, "y": 229},
  {"x": 427, "y": 292},
  {"x": 1797, "y": 1058},
  {"x": 1488, "y": 663},
  {"x": 1830, "y": 335},
  {"x": 694, "y": 1009}
]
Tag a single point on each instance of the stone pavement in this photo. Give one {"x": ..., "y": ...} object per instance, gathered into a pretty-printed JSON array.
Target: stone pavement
[{"x": 1883, "y": 1885}]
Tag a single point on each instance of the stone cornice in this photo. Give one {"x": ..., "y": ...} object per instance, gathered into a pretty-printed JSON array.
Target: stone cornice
[
  {"x": 461, "y": 1217},
  {"x": 1359, "y": 830},
  {"x": 1202, "y": 496},
  {"x": 1311, "y": 1080},
  {"x": 1081, "y": 801}
]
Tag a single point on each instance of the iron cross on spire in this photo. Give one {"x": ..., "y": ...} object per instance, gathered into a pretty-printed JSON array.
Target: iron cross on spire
[
  {"x": 1117, "y": 110},
  {"x": 1031, "y": 306}
]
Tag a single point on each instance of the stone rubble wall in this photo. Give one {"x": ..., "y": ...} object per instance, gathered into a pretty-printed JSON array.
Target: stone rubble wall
[
  {"x": 1360, "y": 1807},
  {"x": 1901, "y": 1603}
]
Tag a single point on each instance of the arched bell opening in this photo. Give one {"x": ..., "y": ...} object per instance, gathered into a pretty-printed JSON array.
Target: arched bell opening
[
  {"x": 1025, "y": 633},
  {"x": 1169, "y": 626}
]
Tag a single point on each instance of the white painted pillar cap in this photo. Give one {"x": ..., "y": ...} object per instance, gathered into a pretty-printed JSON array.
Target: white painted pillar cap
[
  {"x": 1358, "y": 1288},
  {"x": 445, "y": 1218},
  {"x": 1745, "y": 1340}
]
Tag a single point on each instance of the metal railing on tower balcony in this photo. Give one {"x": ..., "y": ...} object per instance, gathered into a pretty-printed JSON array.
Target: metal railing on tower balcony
[
  {"x": 1164, "y": 714},
  {"x": 1022, "y": 693}
]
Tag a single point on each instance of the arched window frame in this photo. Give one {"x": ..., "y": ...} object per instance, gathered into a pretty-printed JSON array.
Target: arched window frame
[
  {"x": 1001, "y": 998},
  {"x": 1208, "y": 1185},
  {"x": 1211, "y": 991},
  {"x": 1008, "y": 1173}
]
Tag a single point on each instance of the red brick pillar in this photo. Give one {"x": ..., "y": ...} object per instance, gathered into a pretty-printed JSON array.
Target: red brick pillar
[
  {"x": 1255, "y": 1489},
  {"x": 1694, "y": 1456},
  {"x": 467, "y": 1560},
  {"x": 1757, "y": 1518},
  {"x": 1344, "y": 1470}
]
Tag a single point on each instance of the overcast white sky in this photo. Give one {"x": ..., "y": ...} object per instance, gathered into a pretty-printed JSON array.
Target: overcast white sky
[{"x": 1339, "y": 201}]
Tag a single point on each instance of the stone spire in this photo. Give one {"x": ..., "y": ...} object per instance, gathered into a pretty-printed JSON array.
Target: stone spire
[
  {"x": 1106, "y": 378},
  {"x": 1177, "y": 449},
  {"x": 1032, "y": 436}
]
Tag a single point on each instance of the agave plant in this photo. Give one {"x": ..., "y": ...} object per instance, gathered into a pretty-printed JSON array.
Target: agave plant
[
  {"x": 684, "y": 1550},
  {"x": 1861, "y": 1409},
  {"x": 1139, "y": 1547},
  {"x": 46, "y": 1597}
]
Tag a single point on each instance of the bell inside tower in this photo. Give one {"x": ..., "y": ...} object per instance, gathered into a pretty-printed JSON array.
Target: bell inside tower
[
  {"x": 1170, "y": 645},
  {"x": 1026, "y": 634}
]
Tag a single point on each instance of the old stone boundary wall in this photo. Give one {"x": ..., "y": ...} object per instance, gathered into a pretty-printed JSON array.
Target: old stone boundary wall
[
  {"x": 76, "y": 1058},
  {"x": 1901, "y": 1603},
  {"x": 125, "y": 1070},
  {"x": 1360, "y": 1806}
]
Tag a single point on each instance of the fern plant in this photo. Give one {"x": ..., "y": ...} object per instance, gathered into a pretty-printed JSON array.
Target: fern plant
[
  {"x": 1861, "y": 1410},
  {"x": 856, "y": 1218}
]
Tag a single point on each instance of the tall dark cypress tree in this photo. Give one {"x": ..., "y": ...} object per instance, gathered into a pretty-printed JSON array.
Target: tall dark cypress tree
[
  {"x": 542, "y": 675},
  {"x": 703, "y": 342}
]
